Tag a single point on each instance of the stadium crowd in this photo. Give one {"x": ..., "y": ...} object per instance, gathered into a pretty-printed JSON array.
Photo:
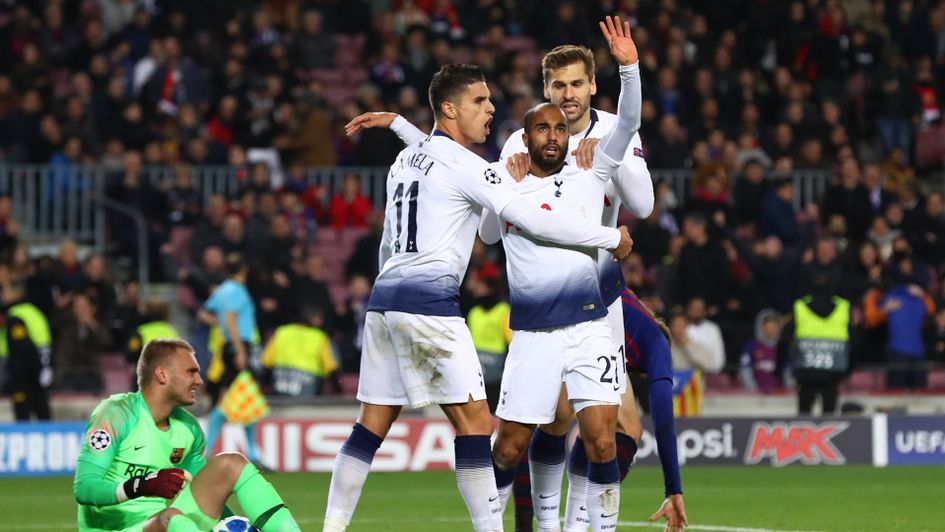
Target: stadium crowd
[{"x": 741, "y": 92}]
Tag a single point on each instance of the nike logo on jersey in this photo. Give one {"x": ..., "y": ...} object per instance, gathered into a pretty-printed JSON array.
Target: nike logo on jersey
[
  {"x": 139, "y": 447},
  {"x": 542, "y": 495}
]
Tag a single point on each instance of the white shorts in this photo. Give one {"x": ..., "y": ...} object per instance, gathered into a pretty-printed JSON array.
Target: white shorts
[
  {"x": 582, "y": 356},
  {"x": 417, "y": 360},
  {"x": 615, "y": 319}
]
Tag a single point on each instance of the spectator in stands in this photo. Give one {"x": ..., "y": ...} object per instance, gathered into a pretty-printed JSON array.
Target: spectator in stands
[
  {"x": 80, "y": 341},
  {"x": 97, "y": 286},
  {"x": 759, "y": 359},
  {"x": 703, "y": 268},
  {"x": 750, "y": 186},
  {"x": 350, "y": 207},
  {"x": 850, "y": 199},
  {"x": 777, "y": 214},
  {"x": 690, "y": 358},
  {"x": 363, "y": 259},
  {"x": 904, "y": 307},
  {"x": 314, "y": 48},
  {"x": 706, "y": 333},
  {"x": 312, "y": 290},
  {"x": 209, "y": 230},
  {"x": 350, "y": 325},
  {"x": 28, "y": 370},
  {"x": 301, "y": 220},
  {"x": 234, "y": 234}
]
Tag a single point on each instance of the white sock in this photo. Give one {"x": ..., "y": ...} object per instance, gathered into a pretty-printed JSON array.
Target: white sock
[
  {"x": 603, "y": 495},
  {"x": 348, "y": 476},
  {"x": 546, "y": 456},
  {"x": 575, "y": 513},
  {"x": 476, "y": 482}
]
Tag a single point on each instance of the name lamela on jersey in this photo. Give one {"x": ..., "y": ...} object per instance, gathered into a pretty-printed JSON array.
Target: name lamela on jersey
[{"x": 420, "y": 161}]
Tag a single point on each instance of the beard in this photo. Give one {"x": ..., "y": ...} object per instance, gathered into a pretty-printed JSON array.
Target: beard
[{"x": 547, "y": 164}]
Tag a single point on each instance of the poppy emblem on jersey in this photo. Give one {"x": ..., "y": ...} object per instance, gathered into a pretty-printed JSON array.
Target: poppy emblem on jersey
[
  {"x": 177, "y": 454},
  {"x": 558, "y": 184},
  {"x": 491, "y": 177},
  {"x": 99, "y": 440}
]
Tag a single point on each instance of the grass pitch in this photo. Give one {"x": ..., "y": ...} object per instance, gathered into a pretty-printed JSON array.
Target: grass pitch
[{"x": 722, "y": 499}]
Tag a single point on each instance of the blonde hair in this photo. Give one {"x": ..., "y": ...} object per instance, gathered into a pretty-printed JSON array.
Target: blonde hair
[{"x": 156, "y": 353}]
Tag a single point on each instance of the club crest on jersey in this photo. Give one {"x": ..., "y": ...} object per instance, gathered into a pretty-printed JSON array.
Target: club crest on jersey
[
  {"x": 99, "y": 440},
  {"x": 177, "y": 454},
  {"x": 491, "y": 177},
  {"x": 558, "y": 184}
]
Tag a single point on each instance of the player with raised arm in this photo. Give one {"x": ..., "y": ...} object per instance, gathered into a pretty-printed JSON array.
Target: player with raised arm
[
  {"x": 558, "y": 315},
  {"x": 417, "y": 349},
  {"x": 143, "y": 466},
  {"x": 647, "y": 353}
]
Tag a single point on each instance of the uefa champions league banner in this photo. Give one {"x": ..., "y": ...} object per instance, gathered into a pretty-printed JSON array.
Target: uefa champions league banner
[
  {"x": 39, "y": 449},
  {"x": 916, "y": 440}
]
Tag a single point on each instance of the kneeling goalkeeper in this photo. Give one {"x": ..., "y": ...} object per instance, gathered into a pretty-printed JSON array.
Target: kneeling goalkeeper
[{"x": 143, "y": 466}]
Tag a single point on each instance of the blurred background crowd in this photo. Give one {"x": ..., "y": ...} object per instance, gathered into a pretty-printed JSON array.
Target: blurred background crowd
[{"x": 743, "y": 95}]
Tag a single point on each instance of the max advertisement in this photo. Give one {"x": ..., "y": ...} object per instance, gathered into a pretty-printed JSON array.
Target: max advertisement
[{"x": 44, "y": 449}]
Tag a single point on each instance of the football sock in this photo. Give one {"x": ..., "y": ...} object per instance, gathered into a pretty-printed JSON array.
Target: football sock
[
  {"x": 214, "y": 426},
  {"x": 251, "y": 442},
  {"x": 522, "y": 489},
  {"x": 503, "y": 482},
  {"x": 575, "y": 513},
  {"x": 626, "y": 450},
  {"x": 546, "y": 454},
  {"x": 476, "y": 481},
  {"x": 603, "y": 495},
  {"x": 348, "y": 476},
  {"x": 263, "y": 506}
]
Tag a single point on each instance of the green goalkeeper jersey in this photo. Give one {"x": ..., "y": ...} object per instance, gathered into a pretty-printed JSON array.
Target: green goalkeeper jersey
[{"x": 123, "y": 441}]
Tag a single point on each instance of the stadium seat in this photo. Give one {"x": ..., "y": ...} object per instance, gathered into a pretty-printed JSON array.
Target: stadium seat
[
  {"x": 930, "y": 146},
  {"x": 116, "y": 373}
]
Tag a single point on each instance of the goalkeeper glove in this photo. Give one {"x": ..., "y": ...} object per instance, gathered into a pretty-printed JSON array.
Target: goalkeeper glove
[{"x": 164, "y": 483}]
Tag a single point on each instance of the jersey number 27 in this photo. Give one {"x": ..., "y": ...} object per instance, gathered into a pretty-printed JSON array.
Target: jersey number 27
[{"x": 413, "y": 191}]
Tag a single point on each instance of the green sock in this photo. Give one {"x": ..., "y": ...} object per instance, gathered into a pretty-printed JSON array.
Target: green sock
[
  {"x": 180, "y": 523},
  {"x": 262, "y": 504}
]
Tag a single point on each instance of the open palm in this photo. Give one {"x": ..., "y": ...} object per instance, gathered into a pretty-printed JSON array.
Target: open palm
[{"x": 618, "y": 38}]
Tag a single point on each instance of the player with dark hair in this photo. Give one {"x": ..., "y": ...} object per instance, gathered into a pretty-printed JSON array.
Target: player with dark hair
[
  {"x": 143, "y": 465},
  {"x": 417, "y": 349}
]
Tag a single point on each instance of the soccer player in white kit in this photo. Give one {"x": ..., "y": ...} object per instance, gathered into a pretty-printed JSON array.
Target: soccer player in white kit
[
  {"x": 558, "y": 313},
  {"x": 417, "y": 349},
  {"x": 569, "y": 82}
]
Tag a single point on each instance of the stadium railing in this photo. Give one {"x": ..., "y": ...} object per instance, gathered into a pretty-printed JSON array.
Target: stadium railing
[{"x": 52, "y": 202}]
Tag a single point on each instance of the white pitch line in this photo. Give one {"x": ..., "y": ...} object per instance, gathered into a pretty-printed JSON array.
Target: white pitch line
[{"x": 628, "y": 524}]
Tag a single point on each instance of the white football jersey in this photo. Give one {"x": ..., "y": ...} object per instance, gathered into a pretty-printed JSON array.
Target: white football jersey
[
  {"x": 435, "y": 193},
  {"x": 632, "y": 170},
  {"x": 552, "y": 286}
]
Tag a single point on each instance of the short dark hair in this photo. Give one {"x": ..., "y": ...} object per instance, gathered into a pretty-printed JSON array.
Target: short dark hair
[
  {"x": 530, "y": 114},
  {"x": 155, "y": 353},
  {"x": 234, "y": 264},
  {"x": 451, "y": 81},
  {"x": 565, "y": 55}
]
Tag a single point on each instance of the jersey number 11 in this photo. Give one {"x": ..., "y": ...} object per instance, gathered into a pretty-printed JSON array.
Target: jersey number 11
[{"x": 412, "y": 192}]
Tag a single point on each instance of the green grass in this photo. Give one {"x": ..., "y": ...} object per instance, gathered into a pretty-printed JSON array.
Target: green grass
[{"x": 792, "y": 498}]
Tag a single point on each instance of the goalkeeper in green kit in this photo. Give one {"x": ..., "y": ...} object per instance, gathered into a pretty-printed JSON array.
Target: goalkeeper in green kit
[{"x": 143, "y": 465}]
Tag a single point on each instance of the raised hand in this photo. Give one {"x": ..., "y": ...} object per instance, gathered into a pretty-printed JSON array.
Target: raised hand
[
  {"x": 618, "y": 38},
  {"x": 368, "y": 120}
]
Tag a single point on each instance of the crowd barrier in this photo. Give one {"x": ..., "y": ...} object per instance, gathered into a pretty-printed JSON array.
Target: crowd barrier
[{"x": 293, "y": 445}]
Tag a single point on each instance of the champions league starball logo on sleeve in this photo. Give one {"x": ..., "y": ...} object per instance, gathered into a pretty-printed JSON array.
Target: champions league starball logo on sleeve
[
  {"x": 491, "y": 177},
  {"x": 99, "y": 440}
]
